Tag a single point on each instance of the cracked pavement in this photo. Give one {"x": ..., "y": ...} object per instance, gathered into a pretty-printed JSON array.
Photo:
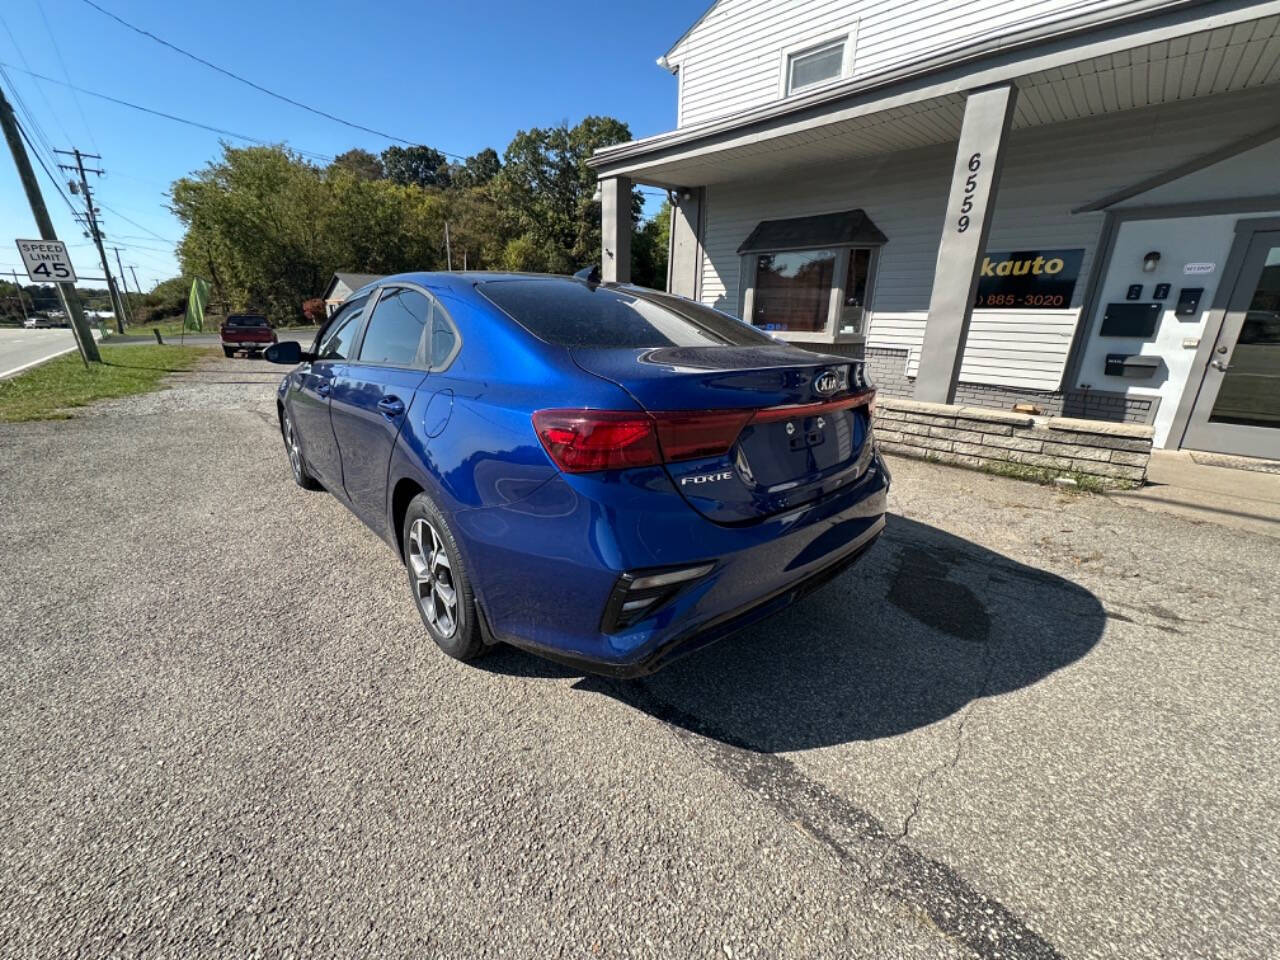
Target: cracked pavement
[{"x": 1029, "y": 724}]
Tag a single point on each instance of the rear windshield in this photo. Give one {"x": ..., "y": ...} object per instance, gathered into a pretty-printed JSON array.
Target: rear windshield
[
  {"x": 573, "y": 313},
  {"x": 247, "y": 321}
]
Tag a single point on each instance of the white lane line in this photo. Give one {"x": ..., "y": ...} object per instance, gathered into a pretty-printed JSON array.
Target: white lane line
[{"x": 32, "y": 363}]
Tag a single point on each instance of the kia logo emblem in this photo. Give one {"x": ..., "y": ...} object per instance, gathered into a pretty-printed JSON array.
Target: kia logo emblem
[{"x": 827, "y": 383}]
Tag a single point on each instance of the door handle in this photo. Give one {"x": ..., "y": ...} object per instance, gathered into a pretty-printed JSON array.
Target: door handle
[
  {"x": 1220, "y": 365},
  {"x": 324, "y": 388},
  {"x": 391, "y": 407}
]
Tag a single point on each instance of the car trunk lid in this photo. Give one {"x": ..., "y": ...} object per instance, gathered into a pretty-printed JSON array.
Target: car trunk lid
[{"x": 796, "y": 423}]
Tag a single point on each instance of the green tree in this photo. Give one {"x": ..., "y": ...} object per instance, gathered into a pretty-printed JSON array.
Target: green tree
[
  {"x": 649, "y": 247},
  {"x": 419, "y": 166},
  {"x": 258, "y": 225},
  {"x": 360, "y": 163},
  {"x": 478, "y": 169},
  {"x": 546, "y": 187}
]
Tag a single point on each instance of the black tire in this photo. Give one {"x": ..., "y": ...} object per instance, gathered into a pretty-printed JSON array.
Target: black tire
[
  {"x": 464, "y": 641},
  {"x": 229, "y": 351},
  {"x": 293, "y": 450}
]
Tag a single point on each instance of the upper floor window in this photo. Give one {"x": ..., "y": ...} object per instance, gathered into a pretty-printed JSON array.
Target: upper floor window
[{"x": 808, "y": 68}]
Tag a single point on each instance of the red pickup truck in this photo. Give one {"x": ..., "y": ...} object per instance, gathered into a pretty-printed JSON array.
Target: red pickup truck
[{"x": 249, "y": 332}]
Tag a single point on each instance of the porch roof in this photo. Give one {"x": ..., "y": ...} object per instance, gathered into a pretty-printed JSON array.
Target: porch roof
[{"x": 1151, "y": 53}]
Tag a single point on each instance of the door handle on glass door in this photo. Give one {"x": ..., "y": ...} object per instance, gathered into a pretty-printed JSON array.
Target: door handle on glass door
[{"x": 1220, "y": 365}]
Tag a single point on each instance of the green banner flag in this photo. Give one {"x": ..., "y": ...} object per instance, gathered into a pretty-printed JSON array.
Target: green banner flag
[{"x": 196, "y": 304}]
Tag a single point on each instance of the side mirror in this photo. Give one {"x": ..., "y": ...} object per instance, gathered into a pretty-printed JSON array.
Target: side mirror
[{"x": 287, "y": 351}]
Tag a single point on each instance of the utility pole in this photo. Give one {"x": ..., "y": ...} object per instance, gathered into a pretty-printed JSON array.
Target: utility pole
[
  {"x": 91, "y": 217},
  {"x": 136, "y": 285},
  {"x": 124, "y": 283},
  {"x": 448, "y": 250},
  {"x": 66, "y": 291},
  {"x": 22, "y": 303}
]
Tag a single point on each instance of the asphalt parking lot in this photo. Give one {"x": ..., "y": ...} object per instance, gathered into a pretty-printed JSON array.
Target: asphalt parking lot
[{"x": 1030, "y": 724}]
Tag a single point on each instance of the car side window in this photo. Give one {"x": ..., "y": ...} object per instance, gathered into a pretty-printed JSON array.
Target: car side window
[
  {"x": 395, "y": 329},
  {"x": 336, "y": 343},
  {"x": 444, "y": 339}
]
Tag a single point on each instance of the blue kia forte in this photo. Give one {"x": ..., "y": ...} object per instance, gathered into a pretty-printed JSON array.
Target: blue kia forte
[{"x": 603, "y": 474}]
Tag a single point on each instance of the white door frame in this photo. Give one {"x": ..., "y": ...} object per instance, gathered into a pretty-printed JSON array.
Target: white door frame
[{"x": 1191, "y": 425}]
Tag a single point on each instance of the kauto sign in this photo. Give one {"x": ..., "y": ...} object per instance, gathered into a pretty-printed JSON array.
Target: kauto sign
[{"x": 47, "y": 261}]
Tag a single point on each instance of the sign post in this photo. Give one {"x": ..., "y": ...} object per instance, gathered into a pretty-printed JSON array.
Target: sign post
[{"x": 66, "y": 291}]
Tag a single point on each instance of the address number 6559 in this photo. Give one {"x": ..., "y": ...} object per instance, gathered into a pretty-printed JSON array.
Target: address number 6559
[{"x": 970, "y": 187}]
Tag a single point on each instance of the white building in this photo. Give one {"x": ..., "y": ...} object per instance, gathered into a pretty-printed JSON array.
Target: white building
[{"x": 1074, "y": 205}]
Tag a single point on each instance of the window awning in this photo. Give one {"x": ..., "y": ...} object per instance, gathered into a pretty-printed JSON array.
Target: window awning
[{"x": 850, "y": 228}]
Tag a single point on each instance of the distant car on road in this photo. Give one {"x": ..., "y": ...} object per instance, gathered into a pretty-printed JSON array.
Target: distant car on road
[
  {"x": 603, "y": 474},
  {"x": 31, "y": 323},
  {"x": 249, "y": 332}
]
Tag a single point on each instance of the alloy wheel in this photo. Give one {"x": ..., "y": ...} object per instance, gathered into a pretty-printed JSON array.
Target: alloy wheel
[
  {"x": 433, "y": 578},
  {"x": 291, "y": 444}
]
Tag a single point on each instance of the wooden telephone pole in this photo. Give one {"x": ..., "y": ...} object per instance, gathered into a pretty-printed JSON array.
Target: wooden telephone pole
[
  {"x": 66, "y": 291},
  {"x": 91, "y": 221}
]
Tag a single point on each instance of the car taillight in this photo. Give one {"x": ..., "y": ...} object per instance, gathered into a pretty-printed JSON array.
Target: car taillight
[
  {"x": 688, "y": 435},
  {"x": 582, "y": 441}
]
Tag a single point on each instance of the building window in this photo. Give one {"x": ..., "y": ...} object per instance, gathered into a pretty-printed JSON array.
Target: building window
[
  {"x": 816, "y": 65},
  {"x": 812, "y": 294},
  {"x": 793, "y": 290},
  {"x": 812, "y": 277}
]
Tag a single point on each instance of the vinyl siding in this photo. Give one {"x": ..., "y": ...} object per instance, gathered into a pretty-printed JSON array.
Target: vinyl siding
[
  {"x": 733, "y": 59},
  {"x": 1048, "y": 172}
]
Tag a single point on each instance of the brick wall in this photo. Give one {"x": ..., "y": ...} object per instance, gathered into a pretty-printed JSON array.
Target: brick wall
[
  {"x": 888, "y": 369},
  {"x": 1090, "y": 452}
]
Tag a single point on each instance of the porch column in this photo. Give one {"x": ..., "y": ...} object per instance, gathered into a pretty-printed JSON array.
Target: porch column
[
  {"x": 615, "y": 230},
  {"x": 685, "y": 256},
  {"x": 979, "y": 156}
]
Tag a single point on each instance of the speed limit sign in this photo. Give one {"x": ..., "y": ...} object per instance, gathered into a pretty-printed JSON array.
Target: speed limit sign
[{"x": 47, "y": 261}]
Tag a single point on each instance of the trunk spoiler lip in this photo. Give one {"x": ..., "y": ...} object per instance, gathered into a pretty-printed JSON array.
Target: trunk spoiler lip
[{"x": 787, "y": 411}]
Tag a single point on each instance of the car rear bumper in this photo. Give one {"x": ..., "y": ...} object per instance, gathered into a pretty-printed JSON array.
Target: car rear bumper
[
  {"x": 553, "y": 604},
  {"x": 705, "y": 634}
]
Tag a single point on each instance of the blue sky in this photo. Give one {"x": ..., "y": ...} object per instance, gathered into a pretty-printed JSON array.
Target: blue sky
[{"x": 457, "y": 76}]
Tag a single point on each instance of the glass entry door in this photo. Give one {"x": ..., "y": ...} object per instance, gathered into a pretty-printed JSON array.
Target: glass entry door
[{"x": 1238, "y": 407}]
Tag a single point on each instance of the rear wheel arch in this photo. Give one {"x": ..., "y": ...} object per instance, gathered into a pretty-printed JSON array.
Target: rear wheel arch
[{"x": 402, "y": 495}]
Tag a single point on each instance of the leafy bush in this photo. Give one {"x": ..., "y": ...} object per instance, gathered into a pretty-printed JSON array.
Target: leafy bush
[{"x": 314, "y": 311}]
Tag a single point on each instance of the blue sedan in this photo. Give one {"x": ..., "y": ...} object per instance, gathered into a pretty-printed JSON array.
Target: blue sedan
[{"x": 603, "y": 474}]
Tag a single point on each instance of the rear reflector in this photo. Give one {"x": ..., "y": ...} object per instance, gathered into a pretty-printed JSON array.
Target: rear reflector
[
  {"x": 637, "y": 595},
  {"x": 582, "y": 441}
]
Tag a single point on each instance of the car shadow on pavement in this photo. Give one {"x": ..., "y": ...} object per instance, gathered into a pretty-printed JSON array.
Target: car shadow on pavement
[{"x": 926, "y": 624}]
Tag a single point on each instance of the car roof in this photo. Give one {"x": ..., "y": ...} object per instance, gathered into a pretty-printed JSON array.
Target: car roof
[{"x": 458, "y": 281}]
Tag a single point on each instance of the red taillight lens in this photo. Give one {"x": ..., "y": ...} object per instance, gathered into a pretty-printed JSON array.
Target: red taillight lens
[
  {"x": 580, "y": 441},
  {"x": 702, "y": 433}
]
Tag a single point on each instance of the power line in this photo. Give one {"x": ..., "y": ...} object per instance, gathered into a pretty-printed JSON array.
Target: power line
[
  {"x": 135, "y": 223},
  {"x": 63, "y": 64},
  {"x": 43, "y": 166},
  {"x": 256, "y": 86},
  {"x": 39, "y": 89},
  {"x": 161, "y": 113},
  {"x": 29, "y": 116}
]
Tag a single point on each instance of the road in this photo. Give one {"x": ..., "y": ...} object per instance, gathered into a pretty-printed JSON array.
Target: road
[
  {"x": 1031, "y": 724},
  {"x": 21, "y": 348}
]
